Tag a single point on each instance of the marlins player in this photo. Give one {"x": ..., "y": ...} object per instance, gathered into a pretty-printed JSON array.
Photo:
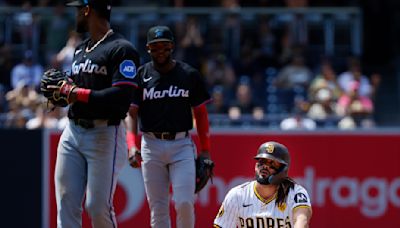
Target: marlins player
[
  {"x": 169, "y": 90},
  {"x": 273, "y": 200},
  {"x": 92, "y": 149}
]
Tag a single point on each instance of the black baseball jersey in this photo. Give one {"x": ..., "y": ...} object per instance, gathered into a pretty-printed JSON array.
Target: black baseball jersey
[
  {"x": 113, "y": 62},
  {"x": 165, "y": 100}
]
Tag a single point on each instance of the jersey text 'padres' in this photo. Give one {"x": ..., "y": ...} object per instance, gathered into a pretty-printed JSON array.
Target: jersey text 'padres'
[{"x": 243, "y": 207}]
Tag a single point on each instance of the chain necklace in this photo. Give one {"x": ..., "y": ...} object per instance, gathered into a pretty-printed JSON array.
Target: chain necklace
[{"x": 109, "y": 32}]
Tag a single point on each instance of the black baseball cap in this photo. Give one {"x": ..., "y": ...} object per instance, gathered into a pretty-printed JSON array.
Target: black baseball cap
[
  {"x": 103, "y": 5},
  {"x": 159, "y": 33}
]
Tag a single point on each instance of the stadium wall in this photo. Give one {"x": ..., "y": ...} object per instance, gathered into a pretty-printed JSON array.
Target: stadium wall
[{"x": 352, "y": 177}]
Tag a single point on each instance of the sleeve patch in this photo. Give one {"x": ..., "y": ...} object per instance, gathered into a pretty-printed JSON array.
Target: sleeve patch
[
  {"x": 128, "y": 69},
  {"x": 300, "y": 198}
]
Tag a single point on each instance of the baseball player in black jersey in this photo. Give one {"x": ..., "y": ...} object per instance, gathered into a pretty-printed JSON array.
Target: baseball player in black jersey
[
  {"x": 92, "y": 149},
  {"x": 169, "y": 90}
]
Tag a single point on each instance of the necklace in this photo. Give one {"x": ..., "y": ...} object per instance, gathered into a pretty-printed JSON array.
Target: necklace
[{"x": 109, "y": 32}]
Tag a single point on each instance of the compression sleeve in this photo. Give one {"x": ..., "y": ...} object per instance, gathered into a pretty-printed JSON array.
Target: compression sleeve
[
  {"x": 131, "y": 139},
  {"x": 201, "y": 117},
  {"x": 112, "y": 95}
]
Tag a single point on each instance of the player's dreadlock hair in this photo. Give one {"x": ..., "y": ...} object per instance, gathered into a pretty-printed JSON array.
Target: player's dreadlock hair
[{"x": 283, "y": 190}]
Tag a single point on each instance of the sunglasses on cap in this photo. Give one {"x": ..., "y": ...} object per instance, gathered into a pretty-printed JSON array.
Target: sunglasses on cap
[{"x": 160, "y": 47}]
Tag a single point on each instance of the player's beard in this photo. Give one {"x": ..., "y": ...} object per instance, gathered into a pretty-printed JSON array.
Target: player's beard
[
  {"x": 163, "y": 63},
  {"x": 262, "y": 180},
  {"x": 81, "y": 26}
]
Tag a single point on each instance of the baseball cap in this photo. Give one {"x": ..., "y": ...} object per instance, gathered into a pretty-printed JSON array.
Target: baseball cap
[
  {"x": 159, "y": 33},
  {"x": 104, "y": 5}
]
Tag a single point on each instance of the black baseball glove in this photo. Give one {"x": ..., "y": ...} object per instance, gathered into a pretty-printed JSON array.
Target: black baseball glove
[
  {"x": 56, "y": 86},
  {"x": 204, "y": 172}
]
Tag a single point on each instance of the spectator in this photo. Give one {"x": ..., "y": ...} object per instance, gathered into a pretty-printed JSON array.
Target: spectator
[
  {"x": 325, "y": 80},
  {"x": 265, "y": 45},
  {"x": 323, "y": 105},
  {"x": 298, "y": 121},
  {"x": 27, "y": 72},
  {"x": 218, "y": 104},
  {"x": 192, "y": 43},
  {"x": 354, "y": 74},
  {"x": 347, "y": 123},
  {"x": 65, "y": 56},
  {"x": 220, "y": 72},
  {"x": 43, "y": 119},
  {"x": 296, "y": 73},
  {"x": 352, "y": 103},
  {"x": 292, "y": 83},
  {"x": 354, "y": 107},
  {"x": 244, "y": 103},
  {"x": 22, "y": 103},
  {"x": 6, "y": 65},
  {"x": 57, "y": 27}
]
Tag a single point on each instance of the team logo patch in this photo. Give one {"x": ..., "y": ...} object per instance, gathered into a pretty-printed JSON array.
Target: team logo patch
[
  {"x": 128, "y": 69},
  {"x": 300, "y": 198},
  {"x": 221, "y": 211},
  {"x": 270, "y": 148}
]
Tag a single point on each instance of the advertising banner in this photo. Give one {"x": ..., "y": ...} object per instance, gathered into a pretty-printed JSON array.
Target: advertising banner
[{"x": 353, "y": 178}]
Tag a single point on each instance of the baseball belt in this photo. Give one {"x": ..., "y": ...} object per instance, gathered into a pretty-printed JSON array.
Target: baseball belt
[
  {"x": 169, "y": 135},
  {"x": 93, "y": 123}
]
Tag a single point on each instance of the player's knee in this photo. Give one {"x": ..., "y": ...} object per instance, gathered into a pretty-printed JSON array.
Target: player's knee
[
  {"x": 184, "y": 206},
  {"x": 95, "y": 210}
]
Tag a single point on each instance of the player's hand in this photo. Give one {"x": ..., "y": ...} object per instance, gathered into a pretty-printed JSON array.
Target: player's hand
[{"x": 135, "y": 158}]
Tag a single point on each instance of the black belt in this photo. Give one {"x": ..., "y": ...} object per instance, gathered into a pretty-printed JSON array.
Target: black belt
[
  {"x": 170, "y": 135},
  {"x": 92, "y": 123}
]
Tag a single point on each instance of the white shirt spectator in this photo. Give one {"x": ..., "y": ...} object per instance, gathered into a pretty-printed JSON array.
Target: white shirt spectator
[
  {"x": 298, "y": 123},
  {"x": 26, "y": 71}
]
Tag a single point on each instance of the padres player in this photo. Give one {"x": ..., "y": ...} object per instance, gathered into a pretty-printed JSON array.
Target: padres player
[
  {"x": 92, "y": 148},
  {"x": 273, "y": 200},
  {"x": 168, "y": 92}
]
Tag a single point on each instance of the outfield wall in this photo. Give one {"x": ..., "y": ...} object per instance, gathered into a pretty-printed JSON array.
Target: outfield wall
[{"x": 353, "y": 177}]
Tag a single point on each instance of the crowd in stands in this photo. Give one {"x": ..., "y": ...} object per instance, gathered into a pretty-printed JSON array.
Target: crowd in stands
[
  {"x": 268, "y": 81},
  {"x": 203, "y": 3}
]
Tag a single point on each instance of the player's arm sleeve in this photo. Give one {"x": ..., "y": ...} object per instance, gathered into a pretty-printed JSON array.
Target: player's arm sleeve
[
  {"x": 132, "y": 129},
  {"x": 300, "y": 205},
  {"x": 228, "y": 212},
  {"x": 133, "y": 117},
  {"x": 199, "y": 93},
  {"x": 111, "y": 96},
  {"x": 198, "y": 99},
  {"x": 124, "y": 61},
  {"x": 202, "y": 126}
]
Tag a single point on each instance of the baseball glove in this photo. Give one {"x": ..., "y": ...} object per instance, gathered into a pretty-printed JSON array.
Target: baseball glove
[
  {"x": 204, "y": 172},
  {"x": 56, "y": 87}
]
